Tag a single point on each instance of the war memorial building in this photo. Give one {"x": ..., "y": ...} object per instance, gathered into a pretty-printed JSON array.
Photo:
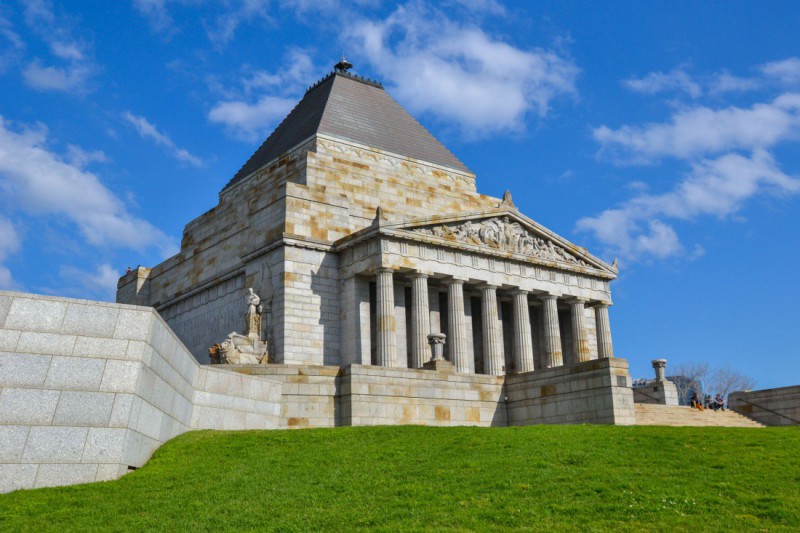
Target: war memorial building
[
  {"x": 363, "y": 235},
  {"x": 350, "y": 275}
]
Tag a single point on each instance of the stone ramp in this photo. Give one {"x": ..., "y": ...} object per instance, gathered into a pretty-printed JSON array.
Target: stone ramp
[{"x": 673, "y": 415}]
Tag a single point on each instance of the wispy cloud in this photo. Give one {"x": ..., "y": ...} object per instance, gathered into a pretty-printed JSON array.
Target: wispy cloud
[
  {"x": 100, "y": 283},
  {"x": 657, "y": 82},
  {"x": 73, "y": 66},
  {"x": 13, "y": 45},
  {"x": 698, "y": 130},
  {"x": 264, "y": 98},
  {"x": 40, "y": 182},
  {"x": 462, "y": 75},
  {"x": 148, "y": 130},
  {"x": 784, "y": 73},
  {"x": 728, "y": 151},
  {"x": 224, "y": 27},
  {"x": 9, "y": 243},
  {"x": 718, "y": 187}
]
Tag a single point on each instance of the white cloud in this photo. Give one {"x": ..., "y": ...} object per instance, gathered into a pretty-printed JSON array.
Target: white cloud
[
  {"x": 76, "y": 68},
  {"x": 699, "y": 130},
  {"x": 717, "y": 187},
  {"x": 247, "y": 121},
  {"x": 148, "y": 130},
  {"x": 40, "y": 182},
  {"x": 224, "y": 27},
  {"x": 10, "y": 51},
  {"x": 9, "y": 243},
  {"x": 70, "y": 78},
  {"x": 155, "y": 11},
  {"x": 657, "y": 82},
  {"x": 491, "y": 7},
  {"x": 787, "y": 71},
  {"x": 461, "y": 74},
  {"x": 265, "y": 98},
  {"x": 100, "y": 283}
]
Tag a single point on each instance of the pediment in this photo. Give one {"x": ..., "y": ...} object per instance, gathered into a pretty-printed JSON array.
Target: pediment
[{"x": 505, "y": 231}]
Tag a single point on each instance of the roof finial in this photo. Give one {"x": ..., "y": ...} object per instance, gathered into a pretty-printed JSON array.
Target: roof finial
[{"x": 343, "y": 65}]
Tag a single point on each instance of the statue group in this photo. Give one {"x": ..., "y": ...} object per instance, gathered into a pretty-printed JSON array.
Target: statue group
[{"x": 247, "y": 349}]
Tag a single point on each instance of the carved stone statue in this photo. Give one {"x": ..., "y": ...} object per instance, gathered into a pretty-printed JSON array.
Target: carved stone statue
[{"x": 245, "y": 349}]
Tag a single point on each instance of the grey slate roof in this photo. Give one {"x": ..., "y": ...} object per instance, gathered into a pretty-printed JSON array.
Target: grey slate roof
[{"x": 354, "y": 109}]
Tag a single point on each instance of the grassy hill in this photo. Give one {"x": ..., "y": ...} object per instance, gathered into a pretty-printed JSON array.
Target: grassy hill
[{"x": 417, "y": 478}]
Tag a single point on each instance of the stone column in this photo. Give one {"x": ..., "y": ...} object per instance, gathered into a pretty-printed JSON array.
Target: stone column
[
  {"x": 552, "y": 333},
  {"x": 604, "y": 347},
  {"x": 420, "y": 320},
  {"x": 384, "y": 316},
  {"x": 456, "y": 325},
  {"x": 580, "y": 340},
  {"x": 493, "y": 360},
  {"x": 523, "y": 341}
]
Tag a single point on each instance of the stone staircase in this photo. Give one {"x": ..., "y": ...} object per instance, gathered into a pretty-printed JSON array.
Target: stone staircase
[{"x": 673, "y": 415}]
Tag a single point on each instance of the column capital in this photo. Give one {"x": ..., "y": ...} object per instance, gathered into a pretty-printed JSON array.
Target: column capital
[
  {"x": 453, "y": 281},
  {"x": 486, "y": 286},
  {"x": 418, "y": 274},
  {"x": 384, "y": 269},
  {"x": 601, "y": 304},
  {"x": 548, "y": 296},
  {"x": 517, "y": 291},
  {"x": 577, "y": 301}
]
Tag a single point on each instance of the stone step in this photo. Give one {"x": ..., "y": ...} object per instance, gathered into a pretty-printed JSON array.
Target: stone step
[{"x": 672, "y": 415}]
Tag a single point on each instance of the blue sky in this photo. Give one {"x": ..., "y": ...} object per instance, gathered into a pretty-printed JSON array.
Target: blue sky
[{"x": 662, "y": 133}]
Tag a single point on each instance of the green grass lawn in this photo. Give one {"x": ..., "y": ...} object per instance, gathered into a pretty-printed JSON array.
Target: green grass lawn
[{"x": 421, "y": 478}]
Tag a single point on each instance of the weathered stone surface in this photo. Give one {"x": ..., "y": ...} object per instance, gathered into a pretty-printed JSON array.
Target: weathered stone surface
[
  {"x": 17, "y": 476},
  {"x": 75, "y": 373},
  {"x": 23, "y": 370},
  {"x": 78, "y": 408},
  {"x": 12, "y": 443},
  {"x": 90, "y": 320},
  {"x": 27, "y": 406},
  {"x": 55, "y": 444},
  {"x": 54, "y": 475},
  {"x": 36, "y": 315}
]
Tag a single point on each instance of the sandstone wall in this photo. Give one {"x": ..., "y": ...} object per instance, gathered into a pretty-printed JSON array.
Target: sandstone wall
[
  {"x": 771, "y": 407},
  {"x": 89, "y": 390},
  {"x": 595, "y": 392}
]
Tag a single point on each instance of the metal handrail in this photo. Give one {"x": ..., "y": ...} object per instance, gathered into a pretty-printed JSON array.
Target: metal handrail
[{"x": 767, "y": 409}]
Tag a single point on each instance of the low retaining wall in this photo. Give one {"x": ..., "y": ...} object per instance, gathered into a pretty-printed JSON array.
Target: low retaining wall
[
  {"x": 594, "y": 392},
  {"x": 89, "y": 390},
  {"x": 771, "y": 407}
]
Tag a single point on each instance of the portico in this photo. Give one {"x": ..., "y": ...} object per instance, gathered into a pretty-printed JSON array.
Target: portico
[{"x": 514, "y": 300}]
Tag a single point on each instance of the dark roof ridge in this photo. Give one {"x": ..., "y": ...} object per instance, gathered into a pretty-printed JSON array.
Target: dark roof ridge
[{"x": 356, "y": 77}]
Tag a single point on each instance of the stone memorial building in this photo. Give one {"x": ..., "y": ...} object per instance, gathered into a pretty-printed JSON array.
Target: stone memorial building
[
  {"x": 363, "y": 235},
  {"x": 350, "y": 275}
]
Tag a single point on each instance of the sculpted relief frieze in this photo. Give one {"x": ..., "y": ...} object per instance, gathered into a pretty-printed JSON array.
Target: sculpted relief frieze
[{"x": 502, "y": 234}]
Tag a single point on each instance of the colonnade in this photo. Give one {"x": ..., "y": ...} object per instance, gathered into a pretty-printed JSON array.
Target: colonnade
[{"x": 492, "y": 331}]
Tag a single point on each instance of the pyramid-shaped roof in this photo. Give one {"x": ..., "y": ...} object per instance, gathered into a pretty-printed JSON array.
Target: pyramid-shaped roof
[{"x": 355, "y": 109}]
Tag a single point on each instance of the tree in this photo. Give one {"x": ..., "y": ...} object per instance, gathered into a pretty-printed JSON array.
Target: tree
[
  {"x": 701, "y": 378},
  {"x": 689, "y": 378},
  {"x": 726, "y": 380}
]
